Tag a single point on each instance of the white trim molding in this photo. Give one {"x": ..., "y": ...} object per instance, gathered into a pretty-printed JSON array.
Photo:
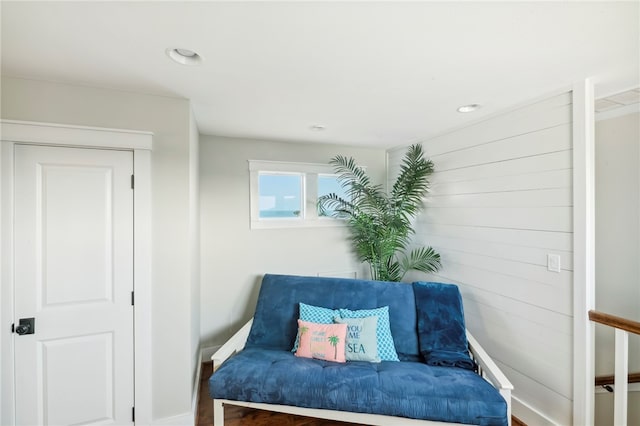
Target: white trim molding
[
  {"x": 207, "y": 352},
  {"x": 178, "y": 420},
  {"x": 308, "y": 173},
  {"x": 583, "y": 252},
  {"x": 7, "y": 399},
  {"x": 530, "y": 415},
  {"x": 140, "y": 143},
  {"x": 66, "y": 135}
]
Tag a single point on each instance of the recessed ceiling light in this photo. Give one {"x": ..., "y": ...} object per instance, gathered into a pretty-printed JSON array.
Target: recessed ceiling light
[
  {"x": 184, "y": 56},
  {"x": 317, "y": 127},
  {"x": 468, "y": 108}
]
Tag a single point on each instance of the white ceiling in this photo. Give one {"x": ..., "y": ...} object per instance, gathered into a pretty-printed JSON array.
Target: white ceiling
[{"x": 378, "y": 74}]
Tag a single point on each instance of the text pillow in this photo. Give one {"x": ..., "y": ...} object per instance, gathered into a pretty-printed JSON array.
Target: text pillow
[
  {"x": 322, "y": 341},
  {"x": 315, "y": 314},
  {"x": 386, "y": 347},
  {"x": 361, "y": 343}
]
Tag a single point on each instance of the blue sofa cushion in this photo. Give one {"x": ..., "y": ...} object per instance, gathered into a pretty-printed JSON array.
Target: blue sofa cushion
[
  {"x": 275, "y": 320},
  {"x": 404, "y": 389},
  {"x": 441, "y": 327}
]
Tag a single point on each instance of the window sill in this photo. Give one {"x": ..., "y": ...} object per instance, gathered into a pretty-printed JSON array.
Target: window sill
[{"x": 290, "y": 224}]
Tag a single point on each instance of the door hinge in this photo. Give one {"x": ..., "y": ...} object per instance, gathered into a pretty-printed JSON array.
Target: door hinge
[
  {"x": 133, "y": 414},
  {"x": 13, "y": 327},
  {"x": 132, "y": 298},
  {"x": 132, "y": 182}
]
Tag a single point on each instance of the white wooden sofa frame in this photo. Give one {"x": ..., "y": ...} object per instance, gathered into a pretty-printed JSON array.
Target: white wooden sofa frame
[{"x": 486, "y": 368}]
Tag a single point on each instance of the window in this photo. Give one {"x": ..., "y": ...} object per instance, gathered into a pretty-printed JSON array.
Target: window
[
  {"x": 280, "y": 195},
  {"x": 286, "y": 194},
  {"x": 327, "y": 184}
]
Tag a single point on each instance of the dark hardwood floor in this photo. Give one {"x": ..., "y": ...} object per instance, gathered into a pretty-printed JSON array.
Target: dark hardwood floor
[{"x": 240, "y": 416}]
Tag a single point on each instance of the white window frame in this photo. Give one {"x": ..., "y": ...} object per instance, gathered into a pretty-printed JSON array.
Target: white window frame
[{"x": 309, "y": 215}]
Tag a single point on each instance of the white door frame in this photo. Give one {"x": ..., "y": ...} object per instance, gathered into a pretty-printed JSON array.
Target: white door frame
[
  {"x": 583, "y": 252},
  {"x": 140, "y": 143}
]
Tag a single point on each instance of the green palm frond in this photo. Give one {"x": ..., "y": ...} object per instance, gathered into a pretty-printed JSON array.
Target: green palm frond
[
  {"x": 412, "y": 183},
  {"x": 380, "y": 224},
  {"x": 349, "y": 173},
  {"x": 423, "y": 259},
  {"x": 334, "y": 203},
  {"x": 393, "y": 271}
]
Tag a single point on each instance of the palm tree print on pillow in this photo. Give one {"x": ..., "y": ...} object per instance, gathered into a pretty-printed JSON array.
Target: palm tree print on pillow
[
  {"x": 303, "y": 330},
  {"x": 333, "y": 340}
]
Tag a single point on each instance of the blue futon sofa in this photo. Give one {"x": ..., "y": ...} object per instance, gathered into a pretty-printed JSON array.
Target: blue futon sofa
[{"x": 436, "y": 379}]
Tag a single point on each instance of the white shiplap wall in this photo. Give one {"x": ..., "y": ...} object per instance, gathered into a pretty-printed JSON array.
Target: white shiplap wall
[{"x": 500, "y": 201}]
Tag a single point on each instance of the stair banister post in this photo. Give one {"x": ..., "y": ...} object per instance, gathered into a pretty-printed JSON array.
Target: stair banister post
[{"x": 620, "y": 382}]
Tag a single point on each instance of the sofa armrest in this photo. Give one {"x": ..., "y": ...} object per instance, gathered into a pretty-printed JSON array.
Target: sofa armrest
[
  {"x": 488, "y": 369},
  {"x": 234, "y": 344}
]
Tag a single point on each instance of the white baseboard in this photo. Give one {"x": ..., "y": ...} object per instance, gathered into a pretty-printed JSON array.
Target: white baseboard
[
  {"x": 528, "y": 414},
  {"x": 185, "y": 419},
  {"x": 196, "y": 389},
  {"x": 208, "y": 352}
]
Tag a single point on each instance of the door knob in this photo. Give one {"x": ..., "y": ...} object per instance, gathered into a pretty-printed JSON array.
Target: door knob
[{"x": 26, "y": 326}]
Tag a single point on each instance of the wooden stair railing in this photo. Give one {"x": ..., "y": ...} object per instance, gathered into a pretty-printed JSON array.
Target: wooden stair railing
[
  {"x": 609, "y": 380},
  {"x": 615, "y": 321},
  {"x": 621, "y": 378}
]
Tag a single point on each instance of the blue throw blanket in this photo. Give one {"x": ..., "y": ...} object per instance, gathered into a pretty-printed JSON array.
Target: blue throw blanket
[{"x": 441, "y": 327}]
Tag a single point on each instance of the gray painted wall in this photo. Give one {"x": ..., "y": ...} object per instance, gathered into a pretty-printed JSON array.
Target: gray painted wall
[
  {"x": 174, "y": 274},
  {"x": 501, "y": 182},
  {"x": 234, "y": 257},
  {"x": 501, "y": 200},
  {"x": 617, "y": 162}
]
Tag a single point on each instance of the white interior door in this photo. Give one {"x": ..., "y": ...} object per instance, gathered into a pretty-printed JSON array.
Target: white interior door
[{"x": 74, "y": 276}]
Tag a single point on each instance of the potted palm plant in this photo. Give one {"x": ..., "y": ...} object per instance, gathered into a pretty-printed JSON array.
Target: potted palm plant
[{"x": 380, "y": 223}]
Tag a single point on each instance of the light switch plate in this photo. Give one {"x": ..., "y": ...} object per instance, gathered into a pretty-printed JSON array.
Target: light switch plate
[{"x": 553, "y": 262}]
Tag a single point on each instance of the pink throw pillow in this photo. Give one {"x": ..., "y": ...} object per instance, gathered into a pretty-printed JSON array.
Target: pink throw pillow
[{"x": 322, "y": 341}]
